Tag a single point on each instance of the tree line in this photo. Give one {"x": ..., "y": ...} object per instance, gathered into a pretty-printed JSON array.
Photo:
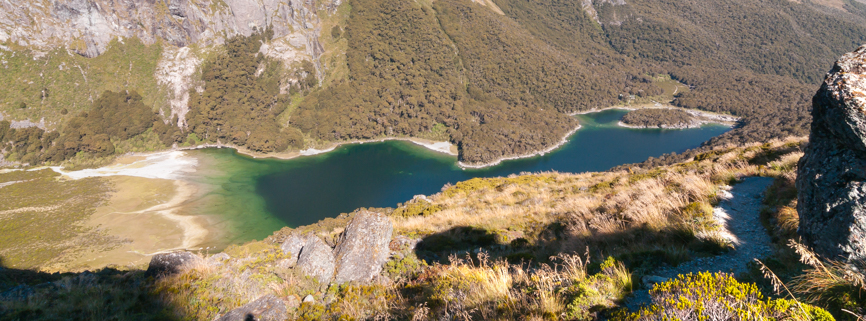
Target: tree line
[{"x": 114, "y": 116}]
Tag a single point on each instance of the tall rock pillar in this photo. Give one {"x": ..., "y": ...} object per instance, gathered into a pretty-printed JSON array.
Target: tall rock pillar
[{"x": 832, "y": 175}]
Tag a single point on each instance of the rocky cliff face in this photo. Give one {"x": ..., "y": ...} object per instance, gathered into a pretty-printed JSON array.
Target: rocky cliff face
[
  {"x": 832, "y": 174},
  {"x": 87, "y": 26}
]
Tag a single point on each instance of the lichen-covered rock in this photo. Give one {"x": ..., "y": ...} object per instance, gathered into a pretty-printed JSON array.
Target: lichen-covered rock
[
  {"x": 88, "y": 27},
  {"x": 292, "y": 247},
  {"x": 363, "y": 247},
  {"x": 265, "y": 308},
  {"x": 317, "y": 259},
  {"x": 218, "y": 259},
  {"x": 831, "y": 177},
  {"x": 170, "y": 263}
]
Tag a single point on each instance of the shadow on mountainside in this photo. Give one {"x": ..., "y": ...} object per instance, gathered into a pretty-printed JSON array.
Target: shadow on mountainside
[
  {"x": 642, "y": 249},
  {"x": 106, "y": 294},
  {"x": 463, "y": 241}
]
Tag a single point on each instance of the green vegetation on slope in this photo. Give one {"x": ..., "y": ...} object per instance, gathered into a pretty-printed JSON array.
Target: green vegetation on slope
[
  {"x": 498, "y": 90},
  {"x": 115, "y": 118},
  {"x": 718, "y": 296},
  {"x": 42, "y": 218},
  {"x": 241, "y": 99},
  {"x": 792, "y": 39},
  {"x": 60, "y": 80},
  {"x": 657, "y": 117}
]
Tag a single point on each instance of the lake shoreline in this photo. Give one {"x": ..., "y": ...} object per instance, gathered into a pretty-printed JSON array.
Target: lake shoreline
[
  {"x": 709, "y": 117},
  {"x": 561, "y": 143},
  {"x": 435, "y": 146},
  {"x": 166, "y": 207}
]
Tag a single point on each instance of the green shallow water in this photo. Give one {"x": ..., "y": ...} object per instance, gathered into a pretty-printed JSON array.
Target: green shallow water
[{"x": 255, "y": 197}]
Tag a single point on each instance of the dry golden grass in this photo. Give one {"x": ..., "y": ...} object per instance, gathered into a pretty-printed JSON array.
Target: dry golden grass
[
  {"x": 486, "y": 290},
  {"x": 824, "y": 276}
]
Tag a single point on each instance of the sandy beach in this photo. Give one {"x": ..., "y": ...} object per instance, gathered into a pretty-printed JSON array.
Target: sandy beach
[
  {"x": 146, "y": 209},
  {"x": 442, "y": 147}
]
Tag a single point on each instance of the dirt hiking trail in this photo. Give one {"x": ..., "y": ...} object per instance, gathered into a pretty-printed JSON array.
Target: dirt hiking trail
[{"x": 739, "y": 213}]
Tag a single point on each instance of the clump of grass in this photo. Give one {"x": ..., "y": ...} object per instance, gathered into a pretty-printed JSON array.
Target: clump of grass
[
  {"x": 419, "y": 207},
  {"x": 839, "y": 286},
  {"x": 483, "y": 289}
]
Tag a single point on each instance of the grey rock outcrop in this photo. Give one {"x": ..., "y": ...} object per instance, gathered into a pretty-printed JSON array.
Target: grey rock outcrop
[
  {"x": 317, "y": 259},
  {"x": 363, "y": 247},
  {"x": 292, "y": 247},
  {"x": 88, "y": 26},
  {"x": 265, "y": 308},
  {"x": 831, "y": 177},
  {"x": 170, "y": 263}
]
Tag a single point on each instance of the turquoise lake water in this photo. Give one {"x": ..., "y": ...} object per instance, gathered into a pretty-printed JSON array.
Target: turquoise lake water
[{"x": 258, "y": 196}]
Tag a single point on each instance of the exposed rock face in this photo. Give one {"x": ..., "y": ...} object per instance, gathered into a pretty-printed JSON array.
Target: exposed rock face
[
  {"x": 363, "y": 247},
  {"x": 169, "y": 263},
  {"x": 292, "y": 246},
  {"x": 87, "y": 26},
  {"x": 317, "y": 259},
  {"x": 268, "y": 307},
  {"x": 590, "y": 6},
  {"x": 832, "y": 175},
  {"x": 175, "y": 70}
]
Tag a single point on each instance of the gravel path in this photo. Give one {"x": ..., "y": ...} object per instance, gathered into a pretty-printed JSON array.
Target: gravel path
[{"x": 739, "y": 213}]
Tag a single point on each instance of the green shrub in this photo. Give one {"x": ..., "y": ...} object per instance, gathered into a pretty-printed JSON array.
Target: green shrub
[
  {"x": 477, "y": 184},
  {"x": 416, "y": 208},
  {"x": 405, "y": 266},
  {"x": 718, "y": 296}
]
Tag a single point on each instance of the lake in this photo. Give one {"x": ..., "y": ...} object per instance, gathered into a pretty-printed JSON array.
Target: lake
[{"x": 255, "y": 197}]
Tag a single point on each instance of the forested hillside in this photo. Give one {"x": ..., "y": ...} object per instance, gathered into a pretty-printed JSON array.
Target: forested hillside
[
  {"x": 503, "y": 84},
  {"x": 736, "y": 54},
  {"x": 500, "y": 90},
  {"x": 497, "y": 79},
  {"x": 241, "y": 99}
]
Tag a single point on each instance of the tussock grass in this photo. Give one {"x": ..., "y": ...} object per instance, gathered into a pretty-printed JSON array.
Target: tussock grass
[
  {"x": 480, "y": 289},
  {"x": 42, "y": 219},
  {"x": 617, "y": 213},
  {"x": 837, "y": 285}
]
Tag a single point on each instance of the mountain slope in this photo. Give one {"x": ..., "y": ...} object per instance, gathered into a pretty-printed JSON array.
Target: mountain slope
[{"x": 496, "y": 79}]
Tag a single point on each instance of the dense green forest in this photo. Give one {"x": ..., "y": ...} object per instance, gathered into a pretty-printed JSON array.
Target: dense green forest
[
  {"x": 114, "y": 117},
  {"x": 658, "y": 118},
  {"x": 500, "y": 84},
  {"x": 503, "y": 85},
  {"x": 499, "y": 90},
  {"x": 238, "y": 105},
  {"x": 765, "y": 72}
]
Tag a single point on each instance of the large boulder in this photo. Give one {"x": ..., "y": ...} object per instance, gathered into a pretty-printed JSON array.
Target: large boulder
[
  {"x": 170, "y": 263},
  {"x": 292, "y": 247},
  {"x": 363, "y": 247},
  {"x": 317, "y": 259},
  {"x": 266, "y": 308},
  {"x": 831, "y": 177}
]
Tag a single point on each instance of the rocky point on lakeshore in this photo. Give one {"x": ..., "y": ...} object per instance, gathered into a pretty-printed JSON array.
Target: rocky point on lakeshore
[{"x": 831, "y": 178}]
